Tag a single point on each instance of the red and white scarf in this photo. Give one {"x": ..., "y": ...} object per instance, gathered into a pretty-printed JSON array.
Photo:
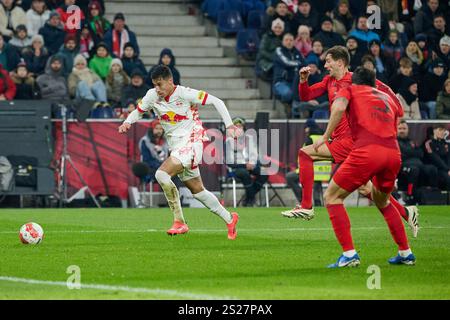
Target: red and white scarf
[{"x": 117, "y": 45}]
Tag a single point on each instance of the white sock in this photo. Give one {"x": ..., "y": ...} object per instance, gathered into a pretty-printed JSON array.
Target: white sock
[
  {"x": 404, "y": 253},
  {"x": 212, "y": 203},
  {"x": 171, "y": 193},
  {"x": 349, "y": 253}
]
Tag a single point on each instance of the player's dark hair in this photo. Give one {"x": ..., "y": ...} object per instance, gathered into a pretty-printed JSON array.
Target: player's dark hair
[
  {"x": 339, "y": 53},
  {"x": 161, "y": 72},
  {"x": 363, "y": 76}
]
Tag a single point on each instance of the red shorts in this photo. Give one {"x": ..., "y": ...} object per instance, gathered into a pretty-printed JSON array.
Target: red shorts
[
  {"x": 372, "y": 162},
  {"x": 340, "y": 148}
]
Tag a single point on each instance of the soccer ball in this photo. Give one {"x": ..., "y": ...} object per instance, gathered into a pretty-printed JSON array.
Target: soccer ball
[{"x": 31, "y": 233}]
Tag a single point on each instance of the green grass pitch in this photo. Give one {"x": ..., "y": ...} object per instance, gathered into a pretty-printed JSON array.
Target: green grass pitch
[{"x": 126, "y": 254}]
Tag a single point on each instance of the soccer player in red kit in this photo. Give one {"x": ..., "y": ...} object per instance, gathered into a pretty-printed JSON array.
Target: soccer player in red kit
[
  {"x": 341, "y": 142},
  {"x": 372, "y": 117}
]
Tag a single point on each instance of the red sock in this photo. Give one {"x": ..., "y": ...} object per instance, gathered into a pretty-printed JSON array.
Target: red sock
[
  {"x": 306, "y": 178},
  {"x": 401, "y": 209},
  {"x": 392, "y": 217},
  {"x": 341, "y": 225}
]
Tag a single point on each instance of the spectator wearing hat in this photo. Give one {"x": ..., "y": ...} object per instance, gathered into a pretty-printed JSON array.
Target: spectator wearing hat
[
  {"x": 117, "y": 36},
  {"x": 326, "y": 35},
  {"x": 363, "y": 33},
  {"x": 86, "y": 42},
  {"x": 443, "y": 52},
  {"x": 306, "y": 16},
  {"x": 269, "y": 42},
  {"x": 303, "y": 41},
  {"x": 52, "y": 84},
  {"x": 116, "y": 80},
  {"x": 86, "y": 84},
  {"x": 9, "y": 57},
  {"x": 305, "y": 109},
  {"x": 37, "y": 16},
  {"x": 97, "y": 22},
  {"x": 443, "y": 102},
  {"x": 422, "y": 41},
  {"x": 136, "y": 89},
  {"x": 423, "y": 21},
  {"x": 84, "y": 5},
  {"x": 408, "y": 96},
  {"x": 392, "y": 46},
  {"x": 68, "y": 52},
  {"x": 437, "y": 153},
  {"x": 101, "y": 62},
  {"x": 20, "y": 40},
  {"x": 166, "y": 58},
  {"x": 287, "y": 62},
  {"x": 36, "y": 55},
  {"x": 7, "y": 85},
  {"x": 65, "y": 16},
  {"x": 242, "y": 158},
  {"x": 384, "y": 65},
  {"x": 279, "y": 10},
  {"x": 25, "y": 83},
  {"x": 11, "y": 16},
  {"x": 355, "y": 54},
  {"x": 131, "y": 61},
  {"x": 154, "y": 148},
  {"x": 431, "y": 86},
  {"x": 342, "y": 18},
  {"x": 438, "y": 31},
  {"x": 53, "y": 33}
]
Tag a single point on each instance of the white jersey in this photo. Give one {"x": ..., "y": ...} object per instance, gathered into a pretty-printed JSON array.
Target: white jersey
[{"x": 178, "y": 114}]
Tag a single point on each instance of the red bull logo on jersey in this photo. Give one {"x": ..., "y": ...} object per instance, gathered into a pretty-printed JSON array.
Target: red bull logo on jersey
[{"x": 172, "y": 117}]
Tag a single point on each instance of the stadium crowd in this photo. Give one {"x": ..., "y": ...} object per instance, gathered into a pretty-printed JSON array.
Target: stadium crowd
[{"x": 43, "y": 57}]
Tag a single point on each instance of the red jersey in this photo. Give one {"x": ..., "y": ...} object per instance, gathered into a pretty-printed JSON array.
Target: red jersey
[
  {"x": 332, "y": 86},
  {"x": 372, "y": 116}
]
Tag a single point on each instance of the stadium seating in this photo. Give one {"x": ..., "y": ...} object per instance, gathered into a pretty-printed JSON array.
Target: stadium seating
[
  {"x": 102, "y": 113},
  {"x": 321, "y": 114},
  {"x": 247, "y": 42},
  {"x": 229, "y": 22},
  {"x": 255, "y": 19}
]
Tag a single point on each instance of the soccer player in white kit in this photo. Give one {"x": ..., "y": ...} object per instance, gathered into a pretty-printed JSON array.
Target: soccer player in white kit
[{"x": 177, "y": 109}]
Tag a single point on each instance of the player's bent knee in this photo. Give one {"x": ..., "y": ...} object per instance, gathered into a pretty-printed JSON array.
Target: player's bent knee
[{"x": 162, "y": 177}]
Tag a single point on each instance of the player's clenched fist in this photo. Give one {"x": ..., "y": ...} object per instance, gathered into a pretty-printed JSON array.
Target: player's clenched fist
[
  {"x": 304, "y": 73},
  {"x": 124, "y": 127},
  {"x": 235, "y": 131}
]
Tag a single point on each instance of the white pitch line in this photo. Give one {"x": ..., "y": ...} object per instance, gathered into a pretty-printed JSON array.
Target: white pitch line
[
  {"x": 216, "y": 230},
  {"x": 155, "y": 291}
]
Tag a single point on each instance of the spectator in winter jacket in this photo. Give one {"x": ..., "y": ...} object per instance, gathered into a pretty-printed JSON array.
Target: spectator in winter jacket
[
  {"x": 25, "y": 83},
  {"x": 422, "y": 41},
  {"x": 116, "y": 80},
  {"x": 101, "y": 62},
  {"x": 86, "y": 42},
  {"x": 11, "y": 15},
  {"x": 405, "y": 71},
  {"x": 154, "y": 148},
  {"x": 437, "y": 153},
  {"x": 166, "y": 58},
  {"x": 363, "y": 33},
  {"x": 53, "y": 33},
  {"x": 281, "y": 12},
  {"x": 117, "y": 36},
  {"x": 131, "y": 61},
  {"x": 317, "y": 53},
  {"x": 431, "y": 84},
  {"x": 66, "y": 20},
  {"x": 303, "y": 41},
  {"x": 438, "y": 31},
  {"x": 393, "y": 47},
  {"x": 7, "y": 85},
  {"x": 424, "y": 18},
  {"x": 355, "y": 54},
  {"x": 326, "y": 35},
  {"x": 37, "y": 16},
  {"x": 9, "y": 57},
  {"x": 269, "y": 42},
  {"x": 68, "y": 52},
  {"x": 86, "y": 84},
  {"x": 306, "y": 16},
  {"x": 136, "y": 89},
  {"x": 342, "y": 18},
  {"x": 385, "y": 66},
  {"x": 36, "y": 56},
  {"x": 408, "y": 96},
  {"x": 443, "y": 102},
  {"x": 52, "y": 84},
  {"x": 414, "y": 53},
  {"x": 97, "y": 22},
  {"x": 21, "y": 39},
  {"x": 287, "y": 62}
]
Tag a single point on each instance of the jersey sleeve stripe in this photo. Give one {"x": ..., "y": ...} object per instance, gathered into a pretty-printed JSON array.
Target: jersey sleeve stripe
[
  {"x": 204, "y": 99},
  {"x": 140, "y": 110}
]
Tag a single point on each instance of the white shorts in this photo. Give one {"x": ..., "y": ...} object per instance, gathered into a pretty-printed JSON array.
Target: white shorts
[{"x": 190, "y": 156}]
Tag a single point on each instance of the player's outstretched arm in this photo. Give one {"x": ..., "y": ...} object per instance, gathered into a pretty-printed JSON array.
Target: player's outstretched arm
[
  {"x": 132, "y": 118},
  {"x": 232, "y": 130},
  {"x": 337, "y": 111}
]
